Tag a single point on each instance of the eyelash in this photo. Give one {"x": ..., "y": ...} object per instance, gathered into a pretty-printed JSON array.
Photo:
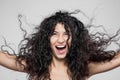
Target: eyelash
[
  {"x": 67, "y": 33},
  {"x": 54, "y": 33}
]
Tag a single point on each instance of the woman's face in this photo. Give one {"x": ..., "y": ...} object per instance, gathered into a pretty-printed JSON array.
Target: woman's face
[{"x": 59, "y": 42}]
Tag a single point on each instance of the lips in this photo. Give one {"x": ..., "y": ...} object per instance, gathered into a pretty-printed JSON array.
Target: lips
[{"x": 61, "y": 49}]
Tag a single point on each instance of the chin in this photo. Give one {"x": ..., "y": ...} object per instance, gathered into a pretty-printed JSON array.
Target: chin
[{"x": 60, "y": 57}]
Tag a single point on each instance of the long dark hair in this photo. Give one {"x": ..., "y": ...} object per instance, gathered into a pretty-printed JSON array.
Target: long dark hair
[{"x": 85, "y": 48}]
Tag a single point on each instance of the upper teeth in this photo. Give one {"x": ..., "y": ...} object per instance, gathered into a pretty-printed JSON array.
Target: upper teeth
[{"x": 60, "y": 46}]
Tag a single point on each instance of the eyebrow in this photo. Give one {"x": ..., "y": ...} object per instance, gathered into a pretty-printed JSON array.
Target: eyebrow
[{"x": 58, "y": 31}]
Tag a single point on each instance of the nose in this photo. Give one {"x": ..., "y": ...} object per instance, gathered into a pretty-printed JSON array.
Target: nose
[{"x": 61, "y": 39}]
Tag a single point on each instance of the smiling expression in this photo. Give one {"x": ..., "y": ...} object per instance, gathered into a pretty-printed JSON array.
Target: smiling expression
[{"x": 59, "y": 42}]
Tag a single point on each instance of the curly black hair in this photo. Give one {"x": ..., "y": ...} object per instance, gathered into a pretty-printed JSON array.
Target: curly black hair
[{"x": 85, "y": 48}]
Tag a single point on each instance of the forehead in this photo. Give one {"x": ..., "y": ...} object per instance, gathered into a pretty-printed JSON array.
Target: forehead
[{"x": 59, "y": 27}]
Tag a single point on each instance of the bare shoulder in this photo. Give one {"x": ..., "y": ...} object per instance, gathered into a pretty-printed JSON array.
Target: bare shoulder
[{"x": 99, "y": 67}]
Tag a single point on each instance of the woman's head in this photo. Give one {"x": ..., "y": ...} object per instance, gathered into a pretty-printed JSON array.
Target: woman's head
[{"x": 58, "y": 26}]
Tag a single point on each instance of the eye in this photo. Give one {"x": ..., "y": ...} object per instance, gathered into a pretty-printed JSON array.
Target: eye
[
  {"x": 67, "y": 33},
  {"x": 54, "y": 33}
]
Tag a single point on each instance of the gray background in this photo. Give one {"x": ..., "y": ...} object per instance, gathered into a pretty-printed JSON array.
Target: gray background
[{"x": 105, "y": 12}]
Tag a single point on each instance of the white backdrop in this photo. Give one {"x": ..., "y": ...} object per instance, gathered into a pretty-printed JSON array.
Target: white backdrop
[{"x": 105, "y": 12}]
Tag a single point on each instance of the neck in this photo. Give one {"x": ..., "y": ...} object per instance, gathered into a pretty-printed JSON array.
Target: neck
[
  {"x": 58, "y": 66},
  {"x": 58, "y": 63}
]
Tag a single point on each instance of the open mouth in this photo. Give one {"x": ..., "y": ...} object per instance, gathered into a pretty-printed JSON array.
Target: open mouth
[{"x": 60, "y": 47}]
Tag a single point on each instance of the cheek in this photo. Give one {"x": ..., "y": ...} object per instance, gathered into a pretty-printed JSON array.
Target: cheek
[
  {"x": 52, "y": 40},
  {"x": 69, "y": 41}
]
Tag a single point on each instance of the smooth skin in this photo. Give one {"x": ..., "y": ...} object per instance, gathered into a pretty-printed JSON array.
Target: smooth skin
[{"x": 58, "y": 67}]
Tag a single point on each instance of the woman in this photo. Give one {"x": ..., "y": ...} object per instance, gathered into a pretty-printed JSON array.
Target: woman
[{"x": 62, "y": 48}]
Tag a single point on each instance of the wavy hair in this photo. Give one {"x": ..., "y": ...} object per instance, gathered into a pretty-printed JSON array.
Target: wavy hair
[{"x": 85, "y": 48}]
